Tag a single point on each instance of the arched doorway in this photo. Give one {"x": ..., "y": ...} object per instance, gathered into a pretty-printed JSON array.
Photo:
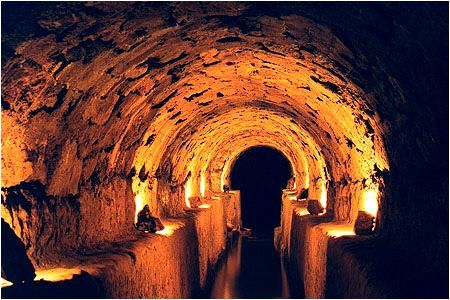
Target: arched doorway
[{"x": 260, "y": 173}]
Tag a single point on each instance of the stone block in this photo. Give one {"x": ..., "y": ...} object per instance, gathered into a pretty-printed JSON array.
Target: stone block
[{"x": 314, "y": 207}]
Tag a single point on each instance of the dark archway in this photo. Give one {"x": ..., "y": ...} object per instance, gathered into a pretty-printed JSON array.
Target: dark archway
[{"x": 260, "y": 173}]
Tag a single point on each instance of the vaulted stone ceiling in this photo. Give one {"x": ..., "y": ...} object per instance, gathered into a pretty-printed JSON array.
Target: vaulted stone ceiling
[{"x": 114, "y": 105}]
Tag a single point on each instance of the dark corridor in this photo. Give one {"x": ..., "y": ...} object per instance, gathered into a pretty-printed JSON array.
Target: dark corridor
[
  {"x": 261, "y": 173},
  {"x": 107, "y": 107}
]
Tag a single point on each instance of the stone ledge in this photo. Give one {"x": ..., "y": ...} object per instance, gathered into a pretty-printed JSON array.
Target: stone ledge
[
  {"x": 333, "y": 262},
  {"x": 172, "y": 263}
]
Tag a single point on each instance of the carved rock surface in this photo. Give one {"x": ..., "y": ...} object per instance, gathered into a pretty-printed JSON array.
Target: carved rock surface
[
  {"x": 314, "y": 207},
  {"x": 364, "y": 223},
  {"x": 107, "y": 105}
]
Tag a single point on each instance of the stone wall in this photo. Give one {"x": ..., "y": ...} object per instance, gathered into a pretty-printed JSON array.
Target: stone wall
[
  {"x": 173, "y": 263},
  {"x": 332, "y": 262},
  {"x": 107, "y": 106},
  {"x": 232, "y": 200}
]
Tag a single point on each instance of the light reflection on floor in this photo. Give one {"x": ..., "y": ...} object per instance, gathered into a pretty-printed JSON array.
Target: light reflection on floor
[
  {"x": 253, "y": 270},
  {"x": 226, "y": 279}
]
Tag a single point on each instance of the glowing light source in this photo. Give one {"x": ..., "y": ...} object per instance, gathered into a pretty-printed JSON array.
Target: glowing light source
[
  {"x": 305, "y": 165},
  {"x": 139, "y": 200},
  {"x": 167, "y": 231},
  {"x": 57, "y": 274},
  {"x": 188, "y": 192},
  {"x": 290, "y": 194},
  {"x": 337, "y": 230},
  {"x": 5, "y": 283},
  {"x": 370, "y": 202},
  {"x": 170, "y": 228},
  {"x": 340, "y": 232},
  {"x": 323, "y": 195},
  {"x": 301, "y": 211},
  {"x": 202, "y": 184},
  {"x": 204, "y": 206}
]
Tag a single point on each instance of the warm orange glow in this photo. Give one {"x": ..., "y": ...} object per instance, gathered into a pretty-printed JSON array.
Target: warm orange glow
[
  {"x": 5, "y": 283},
  {"x": 167, "y": 231},
  {"x": 202, "y": 184},
  {"x": 323, "y": 195},
  {"x": 305, "y": 166},
  {"x": 295, "y": 183},
  {"x": 301, "y": 211},
  {"x": 225, "y": 286},
  {"x": 222, "y": 178},
  {"x": 57, "y": 274},
  {"x": 160, "y": 124},
  {"x": 340, "y": 232},
  {"x": 139, "y": 200},
  {"x": 370, "y": 202},
  {"x": 337, "y": 230},
  {"x": 290, "y": 194},
  {"x": 170, "y": 227},
  {"x": 188, "y": 192}
]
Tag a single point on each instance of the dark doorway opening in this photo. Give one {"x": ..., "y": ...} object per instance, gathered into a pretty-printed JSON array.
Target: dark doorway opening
[
  {"x": 253, "y": 269},
  {"x": 261, "y": 173}
]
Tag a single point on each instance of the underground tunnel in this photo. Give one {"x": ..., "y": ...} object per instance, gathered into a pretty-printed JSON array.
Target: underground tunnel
[
  {"x": 124, "y": 126},
  {"x": 260, "y": 174}
]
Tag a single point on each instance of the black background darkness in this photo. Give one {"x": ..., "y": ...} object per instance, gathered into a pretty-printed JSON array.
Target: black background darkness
[{"x": 260, "y": 173}]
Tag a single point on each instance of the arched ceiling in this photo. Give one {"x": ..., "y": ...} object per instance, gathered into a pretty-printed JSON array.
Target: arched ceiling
[
  {"x": 354, "y": 94},
  {"x": 185, "y": 93}
]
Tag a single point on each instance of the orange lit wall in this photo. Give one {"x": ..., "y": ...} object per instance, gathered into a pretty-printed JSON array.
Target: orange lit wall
[
  {"x": 152, "y": 104},
  {"x": 121, "y": 120}
]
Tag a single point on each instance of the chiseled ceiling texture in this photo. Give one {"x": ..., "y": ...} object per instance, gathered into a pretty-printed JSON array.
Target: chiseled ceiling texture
[{"x": 106, "y": 102}]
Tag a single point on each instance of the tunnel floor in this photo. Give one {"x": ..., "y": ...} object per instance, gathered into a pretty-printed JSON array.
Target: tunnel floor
[{"x": 253, "y": 269}]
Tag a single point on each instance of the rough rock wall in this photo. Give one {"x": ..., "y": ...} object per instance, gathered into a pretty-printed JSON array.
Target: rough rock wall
[
  {"x": 160, "y": 96},
  {"x": 332, "y": 262},
  {"x": 173, "y": 263},
  {"x": 130, "y": 106},
  {"x": 309, "y": 253},
  {"x": 211, "y": 230},
  {"x": 52, "y": 227},
  {"x": 288, "y": 207},
  {"x": 174, "y": 266},
  {"x": 232, "y": 202},
  {"x": 418, "y": 130},
  {"x": 157, "y": 267}
]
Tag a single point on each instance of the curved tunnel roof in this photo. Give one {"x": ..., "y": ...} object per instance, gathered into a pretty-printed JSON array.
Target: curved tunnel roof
[{"x": 160, "y": 99}]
